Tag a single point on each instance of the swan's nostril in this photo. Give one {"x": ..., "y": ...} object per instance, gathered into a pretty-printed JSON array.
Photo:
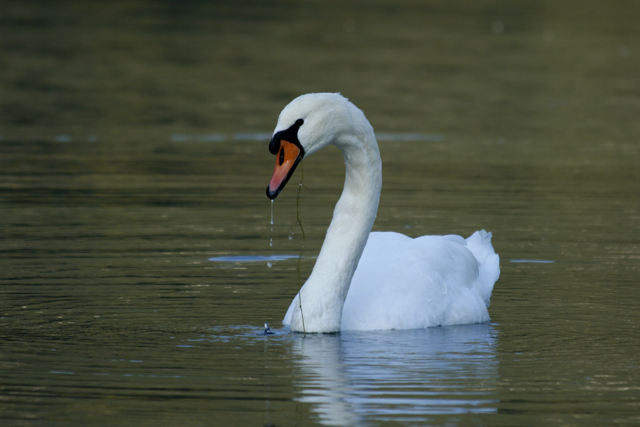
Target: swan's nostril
[{"x": 281, "y": 156}]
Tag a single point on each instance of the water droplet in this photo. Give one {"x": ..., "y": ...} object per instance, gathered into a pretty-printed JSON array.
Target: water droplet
[
  {"x": 271, "y": 238},
  {"x": 269, "y": 265}
]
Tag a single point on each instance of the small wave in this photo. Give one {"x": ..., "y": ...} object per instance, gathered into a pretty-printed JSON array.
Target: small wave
[
  {"x": 539, "y": 261},
  {"x": 252, "y": 258}
]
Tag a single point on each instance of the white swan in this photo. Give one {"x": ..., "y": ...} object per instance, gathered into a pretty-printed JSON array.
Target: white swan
[{"x": 364, "y": 280}]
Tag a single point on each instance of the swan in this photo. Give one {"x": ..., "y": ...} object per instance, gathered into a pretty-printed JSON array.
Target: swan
[{"x": 365, "y": 280}]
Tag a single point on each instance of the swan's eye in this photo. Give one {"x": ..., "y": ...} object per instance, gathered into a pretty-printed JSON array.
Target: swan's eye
[{"x": 281, "y": 156}]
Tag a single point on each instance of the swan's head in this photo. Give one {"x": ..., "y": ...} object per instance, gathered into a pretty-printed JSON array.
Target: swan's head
[{"x": 309, "y": 123}]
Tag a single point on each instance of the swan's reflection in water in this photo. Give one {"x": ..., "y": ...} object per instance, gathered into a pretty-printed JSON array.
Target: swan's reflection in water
[{"x": 355, "y": 377}]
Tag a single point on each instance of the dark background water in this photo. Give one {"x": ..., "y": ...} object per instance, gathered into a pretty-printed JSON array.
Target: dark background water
[{"x": 133, "y": 149}]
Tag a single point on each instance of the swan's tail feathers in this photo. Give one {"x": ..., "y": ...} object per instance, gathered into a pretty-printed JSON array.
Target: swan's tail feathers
[{"x": 479, "y": 243}]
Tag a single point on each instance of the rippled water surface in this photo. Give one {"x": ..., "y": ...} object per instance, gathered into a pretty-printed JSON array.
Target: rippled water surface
[{"x": 139, "y": 263}]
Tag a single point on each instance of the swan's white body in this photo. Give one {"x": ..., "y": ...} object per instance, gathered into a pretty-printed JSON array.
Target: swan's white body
[{"x": 368, "y": 281}]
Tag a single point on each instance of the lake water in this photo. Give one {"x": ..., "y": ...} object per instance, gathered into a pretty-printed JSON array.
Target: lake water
[{"x": 133, "y": 148}]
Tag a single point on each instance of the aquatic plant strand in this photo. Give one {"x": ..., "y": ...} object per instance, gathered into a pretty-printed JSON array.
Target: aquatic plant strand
[{"x": 299, "y": 224}]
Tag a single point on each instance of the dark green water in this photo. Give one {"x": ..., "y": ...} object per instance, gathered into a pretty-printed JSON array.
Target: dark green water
[{"x": 133, "y": 149}]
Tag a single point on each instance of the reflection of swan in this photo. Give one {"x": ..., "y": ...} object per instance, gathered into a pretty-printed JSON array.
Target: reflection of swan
[
  {"x": 363, "y": 378},
  {"x": 399, "y": 283}
]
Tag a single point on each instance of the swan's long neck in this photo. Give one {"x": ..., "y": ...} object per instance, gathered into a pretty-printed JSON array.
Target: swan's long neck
[{"x": 325, "y": 291}]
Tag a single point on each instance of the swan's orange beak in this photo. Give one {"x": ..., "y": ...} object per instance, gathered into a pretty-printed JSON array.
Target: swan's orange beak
[{"x": 287, "y": 158}]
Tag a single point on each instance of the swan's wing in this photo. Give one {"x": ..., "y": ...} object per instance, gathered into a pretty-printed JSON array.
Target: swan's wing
[{"x": 405, "y": 283}]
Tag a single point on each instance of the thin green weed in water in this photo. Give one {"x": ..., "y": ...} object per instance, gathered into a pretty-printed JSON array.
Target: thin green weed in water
[{"x": 299, "y": 224}]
